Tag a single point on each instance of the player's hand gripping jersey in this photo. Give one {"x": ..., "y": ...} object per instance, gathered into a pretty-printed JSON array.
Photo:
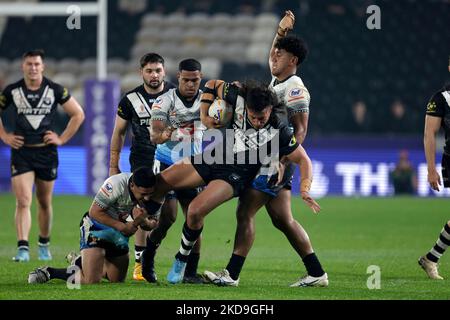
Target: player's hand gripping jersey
[{"x": 184, "y": 117}]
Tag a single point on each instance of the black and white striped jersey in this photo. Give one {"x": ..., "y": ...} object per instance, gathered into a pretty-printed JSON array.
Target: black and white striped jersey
[
  {"x": 439, "y": 106},
  {"x": 35, "y": 110},
  {"x": 250, "y": 146},
  {"x": 135, "y": 107}
]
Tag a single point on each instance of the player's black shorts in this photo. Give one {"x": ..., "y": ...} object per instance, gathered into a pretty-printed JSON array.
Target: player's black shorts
[
  {"x": 184, "y": 194},
  {"x": 238, "y": 176},
  {"x": 87, "y": 225},
  {"x": 267, "y": 184},
  {"x": 140, "y": 160},
  {"x": 42, "y": 160},
  {"x": 446, "y": 170}
]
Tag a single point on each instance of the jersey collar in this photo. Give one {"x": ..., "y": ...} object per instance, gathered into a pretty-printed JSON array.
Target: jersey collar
[{"x": 276, "y": 82}]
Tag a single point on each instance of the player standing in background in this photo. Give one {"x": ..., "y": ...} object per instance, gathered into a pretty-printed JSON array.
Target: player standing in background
[
  {"x": 437, "y": 116},
  {"x": 286, "y": 54},
  {"x": 174, "y": 116},
  {"x": 105, "y": 228},
  {"x": 135, "y": 108},
  {"x": 34, "y": 155}
]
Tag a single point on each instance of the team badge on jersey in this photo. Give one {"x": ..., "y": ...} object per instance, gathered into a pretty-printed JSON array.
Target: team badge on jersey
[
  {"x": 293, "y": 141},
  {"x": 157, "y": 103},
  {"x": 296, "y": 92},
  {"x": 431, "y": 107},
  {"x": 109, "y": 187}
]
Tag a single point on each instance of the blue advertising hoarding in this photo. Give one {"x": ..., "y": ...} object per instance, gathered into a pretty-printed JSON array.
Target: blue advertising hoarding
[{"x": 337, "y": 171}]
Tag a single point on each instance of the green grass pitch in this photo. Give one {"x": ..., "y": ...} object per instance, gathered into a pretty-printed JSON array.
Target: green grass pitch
[{"x": 349, "y": 235}]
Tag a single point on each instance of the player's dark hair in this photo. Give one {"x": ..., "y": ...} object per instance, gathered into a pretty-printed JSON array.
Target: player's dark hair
[
  {"x": 151, "y": 57},
  {"x": 34, "y": 53},
  {"x": 143, "y": 177},
  {"x": 294, "y": 45},
  {"x": 190, "y": 65},
  {"x": 258, "y": 96}
]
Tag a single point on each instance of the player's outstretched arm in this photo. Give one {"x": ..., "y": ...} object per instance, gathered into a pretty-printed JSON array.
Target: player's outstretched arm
[
  {"x": 432, "y": 126},
  {"x": 285, "y": 25},
  {"x": 300, "y": 157}
]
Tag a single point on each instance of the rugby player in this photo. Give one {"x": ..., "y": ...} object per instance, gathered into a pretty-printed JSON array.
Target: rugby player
[
  {"x": 286, "y": 54},
  {"x": 255, "y": 125},
  {"x": 105, "y": 229},
  {"x": 134, "y": 108},
  {"x": 437, "y": 116},
  {"x": 34, "y": 143},
  {"x": 175, "y": 115}
]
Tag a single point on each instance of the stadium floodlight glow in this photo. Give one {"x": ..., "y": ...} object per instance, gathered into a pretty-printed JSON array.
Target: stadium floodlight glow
[{"x": 98, "y": 9}]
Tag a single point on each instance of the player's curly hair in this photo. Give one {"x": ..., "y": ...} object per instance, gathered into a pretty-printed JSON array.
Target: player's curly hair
[{"x": 295, "y": 45}]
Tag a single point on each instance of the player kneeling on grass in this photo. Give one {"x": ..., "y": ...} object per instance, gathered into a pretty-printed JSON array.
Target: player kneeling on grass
[{"x": 106, "y": 228}]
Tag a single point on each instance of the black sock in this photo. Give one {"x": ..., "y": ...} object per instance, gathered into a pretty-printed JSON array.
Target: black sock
[
  {"x": 234, "y": 266},
  {"x": 43, "y": 241},
  {"x": 78, "y": 262},
  {"x": 150, "y": 250},
  {"x": 137, "y": 252},
  {"x": 191, "y": 236},
  {"x": 192, "y": 264},
  {"x": 23, "y": 244},
  {"x": 56, "y": 273},
  {"x": 312, "y": 265}
]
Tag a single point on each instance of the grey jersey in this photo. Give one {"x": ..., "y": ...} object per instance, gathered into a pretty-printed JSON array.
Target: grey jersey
[
  {"x": 293, "y": 93},
  {"x": 183, "y": 115},
  {"x": 114, "y": 196}
]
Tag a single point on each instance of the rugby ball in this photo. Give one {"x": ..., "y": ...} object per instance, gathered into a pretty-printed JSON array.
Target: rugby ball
[{"x": 221, "y": 111}]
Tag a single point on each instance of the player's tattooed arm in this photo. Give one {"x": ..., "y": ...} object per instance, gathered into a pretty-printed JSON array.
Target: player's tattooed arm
[{"x": 213, "y": 89}]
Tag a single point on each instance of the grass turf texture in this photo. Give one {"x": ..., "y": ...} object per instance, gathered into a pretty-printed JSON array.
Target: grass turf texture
[{"x": 349, "y": 235}]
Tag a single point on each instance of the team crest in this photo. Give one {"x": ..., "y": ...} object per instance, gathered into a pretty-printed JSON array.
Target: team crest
[
  {"x": 109, "y": 187},
  {"x": 293, "y": 141},
  {"x": 431, "y": 107},
  {"x": 296, "y": 92}
]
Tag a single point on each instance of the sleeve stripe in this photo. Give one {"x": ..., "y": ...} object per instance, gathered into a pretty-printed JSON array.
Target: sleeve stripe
[{"x": 294, "y": 99}]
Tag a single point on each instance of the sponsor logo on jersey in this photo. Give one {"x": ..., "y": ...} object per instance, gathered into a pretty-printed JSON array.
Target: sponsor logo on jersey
[
  {"x": 109, "y": 187},
  {"x": 145, "y": 122},
  {"x": 47, "y": 101},
  {"x": 234, "y": 177},
  {"x": 296, "y": 92},
  {"x": 293, "y": 141},
  {"x": 431, "y": 106},
  {"x": 158, "y": 100},
  {"x": 2, "y": 100},
  {"x": 65, "y": 93}
]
